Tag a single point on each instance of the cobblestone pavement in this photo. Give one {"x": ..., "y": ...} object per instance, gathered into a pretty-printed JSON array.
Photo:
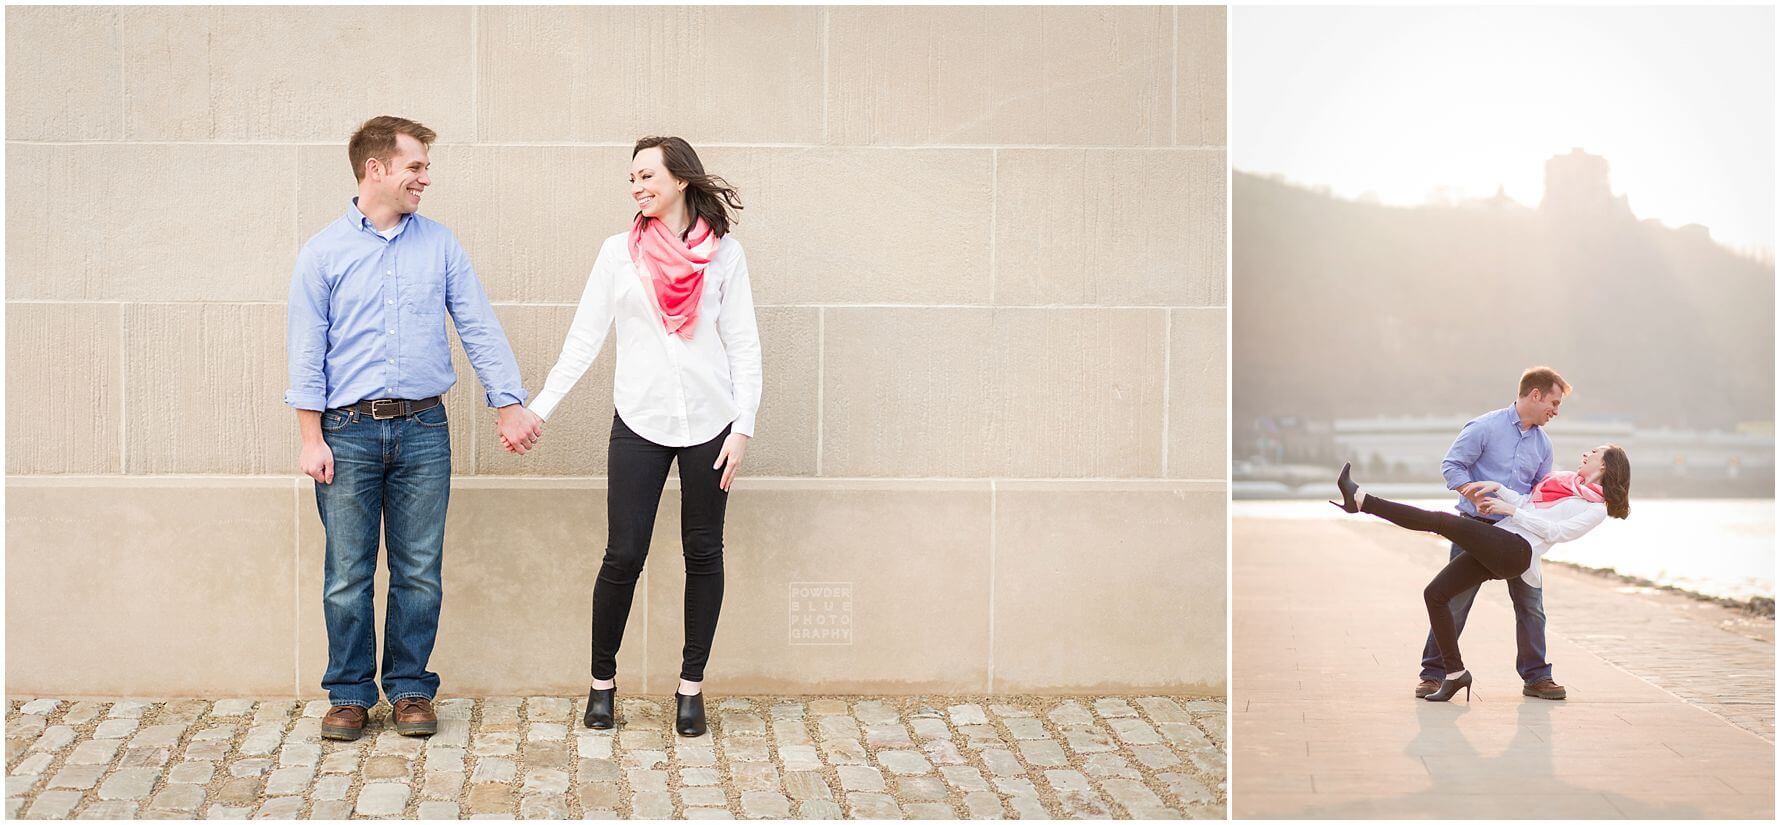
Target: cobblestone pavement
[{"x": 922, "y": 757}]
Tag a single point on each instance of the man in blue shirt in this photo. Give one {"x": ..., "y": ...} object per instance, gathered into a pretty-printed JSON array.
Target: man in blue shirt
[
  {"x": 369, "y": 360},
  {"x": 1510, "y": 447}
]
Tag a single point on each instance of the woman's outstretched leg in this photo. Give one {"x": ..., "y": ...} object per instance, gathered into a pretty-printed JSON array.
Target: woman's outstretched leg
[{"x": 1502, "y": 552}]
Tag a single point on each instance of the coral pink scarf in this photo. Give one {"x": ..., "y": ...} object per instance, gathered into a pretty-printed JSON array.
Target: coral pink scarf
[
  {"x": 673, "y": 269},
  {"x": 1564, "y": 484}
]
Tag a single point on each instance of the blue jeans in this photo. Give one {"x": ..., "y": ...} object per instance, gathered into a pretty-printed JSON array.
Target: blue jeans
[
  {"x": 393, "y": 474},
  {"x": 1529, "y": 630}
]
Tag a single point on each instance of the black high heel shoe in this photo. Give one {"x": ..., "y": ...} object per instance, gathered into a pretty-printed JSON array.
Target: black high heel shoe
[
  {"x": 599, "y": 708},
  {"x": 689, "y": 714},
  {"x": 1450, "y": 688},
  {"x": 1348, "y": 489}
]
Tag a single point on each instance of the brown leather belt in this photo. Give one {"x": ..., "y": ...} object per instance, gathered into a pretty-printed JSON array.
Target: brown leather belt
[{"x": 385, "y": 408}]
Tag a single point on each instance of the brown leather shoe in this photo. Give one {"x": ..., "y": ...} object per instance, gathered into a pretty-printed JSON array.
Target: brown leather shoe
[
  {"x": 415, "y": 717},
  {"x": 1544, "y": 689},
  {"x": 344, "y": 722},
  {"x": 1425, "y": 687}
]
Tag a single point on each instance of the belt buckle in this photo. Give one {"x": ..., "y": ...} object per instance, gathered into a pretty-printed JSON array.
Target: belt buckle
[{"x": 377, "y": 406}]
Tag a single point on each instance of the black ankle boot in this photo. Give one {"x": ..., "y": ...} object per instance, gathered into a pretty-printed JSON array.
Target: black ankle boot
[
  {"x": 689, "y": 714},
  {"x": 599, "y": 708}
]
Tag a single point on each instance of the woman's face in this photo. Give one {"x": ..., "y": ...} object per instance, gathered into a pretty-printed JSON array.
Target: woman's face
[
  {"x": 657, "y": 192},
  {"x": 1594, "y": 463}
]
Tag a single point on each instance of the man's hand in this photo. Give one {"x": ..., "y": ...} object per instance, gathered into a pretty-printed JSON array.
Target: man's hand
[
  {"x": 519, "y": 428},
  {"x": 729, "y": 459},
  {"x": 316, "y": 459},
  {"x": 1495, "y": 507}
]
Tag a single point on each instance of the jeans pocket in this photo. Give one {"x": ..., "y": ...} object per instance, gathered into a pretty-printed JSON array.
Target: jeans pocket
[
  {"x": 334, "y": 421},
  {"x": 432, "y": 417}
]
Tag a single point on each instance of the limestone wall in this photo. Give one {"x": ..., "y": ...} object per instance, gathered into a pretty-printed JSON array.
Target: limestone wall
[{"x": 988, "y": 245}]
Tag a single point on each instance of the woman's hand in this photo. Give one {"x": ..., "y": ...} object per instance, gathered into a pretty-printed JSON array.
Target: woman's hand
[
  {"x": 1495, "y": 507},
  {"x": 1476, "y": 490},
  {"x": 729, "y": 459}
]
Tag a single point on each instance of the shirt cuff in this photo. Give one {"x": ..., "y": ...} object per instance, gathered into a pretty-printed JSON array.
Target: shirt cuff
[
  {"x": 744, "y": 425},
  {"x": 502, "y": 399},
  {"x": 313, "y": 403},
  {"x": 545, "y": 403}
]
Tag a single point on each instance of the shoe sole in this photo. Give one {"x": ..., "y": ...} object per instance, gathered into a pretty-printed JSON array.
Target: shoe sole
[
  {"x": 417, "y": 728},
  {"x": 342, "y": 734},
  {"x": 1527, "y": 691}
]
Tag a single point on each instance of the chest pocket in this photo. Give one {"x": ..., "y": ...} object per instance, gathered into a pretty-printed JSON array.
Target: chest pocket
[{"x": 423, "y": 290}]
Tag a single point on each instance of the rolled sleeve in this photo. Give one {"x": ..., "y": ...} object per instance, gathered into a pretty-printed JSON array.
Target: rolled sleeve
[{"x": 306, "y": 334}]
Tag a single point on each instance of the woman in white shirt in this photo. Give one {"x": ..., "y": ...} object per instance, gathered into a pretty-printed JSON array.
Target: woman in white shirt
[
  {"x": 1562, "y": 506},
  {"x": 687, "y": 388}
]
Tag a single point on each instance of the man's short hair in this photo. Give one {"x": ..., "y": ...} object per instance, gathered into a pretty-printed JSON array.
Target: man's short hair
[
  {"x": 377, "y": 139},
  {"x": 1542, "y": 378}
]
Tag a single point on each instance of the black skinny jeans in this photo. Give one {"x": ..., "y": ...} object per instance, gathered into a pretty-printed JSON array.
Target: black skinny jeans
[
  {"x": 1489, "y": 553},
  {"x": 637, "y": 469}
]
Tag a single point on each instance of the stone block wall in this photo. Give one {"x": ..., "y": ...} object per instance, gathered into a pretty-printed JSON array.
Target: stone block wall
[{"x": 988, "y": 247}]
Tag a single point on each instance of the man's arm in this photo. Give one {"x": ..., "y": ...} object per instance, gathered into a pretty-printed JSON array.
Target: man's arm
[
  {"x": 1462, "y": 456},
  {"x": 490, "y": 355},
  {"x": 306, "y": 346},
  {"x": 306, "y": 334}
]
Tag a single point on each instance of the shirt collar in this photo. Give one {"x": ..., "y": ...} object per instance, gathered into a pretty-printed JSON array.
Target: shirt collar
[
  {"x": 359, "y": 220},
  {"x": 1514, "y": 419}
]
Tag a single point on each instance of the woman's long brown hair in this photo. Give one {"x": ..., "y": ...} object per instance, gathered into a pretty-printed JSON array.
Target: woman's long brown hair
[
  {"x": 1616, "y": 481},
  {"x": 707, "y": 196}
]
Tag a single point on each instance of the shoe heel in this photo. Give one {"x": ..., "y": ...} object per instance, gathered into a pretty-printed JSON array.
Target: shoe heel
[{"x": 1467, "y": 694}]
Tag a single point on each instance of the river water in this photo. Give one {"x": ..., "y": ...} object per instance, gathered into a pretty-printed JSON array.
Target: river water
[{"x": 1715, "y": 547}]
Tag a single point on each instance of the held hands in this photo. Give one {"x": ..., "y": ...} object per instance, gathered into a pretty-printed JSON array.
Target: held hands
[
  {"x": 317, "y": 461},
  {"x": 1496, "y": 506},
  {"x": 519, "y": 428},
  {"x": 1477, "y": 491},
  {"x": 729, "y": 459}
]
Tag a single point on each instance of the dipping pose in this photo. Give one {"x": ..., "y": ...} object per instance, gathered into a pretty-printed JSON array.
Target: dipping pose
[{"x": 1562, "y": 506}]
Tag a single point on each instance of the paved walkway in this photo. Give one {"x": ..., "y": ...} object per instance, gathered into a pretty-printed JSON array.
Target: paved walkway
[
  {"x": 926, "y": 757},
  {"x": 1328, "y": 629}
]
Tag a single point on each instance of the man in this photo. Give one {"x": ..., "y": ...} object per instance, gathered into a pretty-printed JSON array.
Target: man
[
  {"x": 1510, "y": 447},
  {"x": 368, "y": 361}
]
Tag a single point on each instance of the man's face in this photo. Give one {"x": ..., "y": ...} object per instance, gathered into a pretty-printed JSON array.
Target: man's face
[
  {"x": 405, "y": 178},
  {"x": 1542, "y": 405}
]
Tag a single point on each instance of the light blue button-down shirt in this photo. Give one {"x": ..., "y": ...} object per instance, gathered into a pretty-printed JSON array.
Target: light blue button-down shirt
[
  {"x": 1493, "y": 447},
  {"x": 367, "y": 317}
]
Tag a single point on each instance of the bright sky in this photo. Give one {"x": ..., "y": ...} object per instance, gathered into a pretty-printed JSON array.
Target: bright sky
[{"x": 1398, "y": 101}]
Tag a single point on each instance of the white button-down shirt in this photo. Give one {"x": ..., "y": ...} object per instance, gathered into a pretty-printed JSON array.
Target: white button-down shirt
[
  {"x": 674, "y": 392},
  {"x": 1543, "y": 527}
]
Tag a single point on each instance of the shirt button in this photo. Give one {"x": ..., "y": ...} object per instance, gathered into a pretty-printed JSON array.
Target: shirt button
[
  {"x": 390, "y": 301},
  {"x": 392, "y": 332},
  {"x": 389, "y": 272},
  {"x": 392, "y": 360}
]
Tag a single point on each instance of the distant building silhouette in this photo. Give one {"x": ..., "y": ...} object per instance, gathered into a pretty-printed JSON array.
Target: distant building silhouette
[{"x": 1577, "y": 185}]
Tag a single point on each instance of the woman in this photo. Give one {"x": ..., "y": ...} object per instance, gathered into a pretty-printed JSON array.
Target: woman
[
  {"x": 1562, "y": 506},
  {"x": 687, "y": 388}
]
